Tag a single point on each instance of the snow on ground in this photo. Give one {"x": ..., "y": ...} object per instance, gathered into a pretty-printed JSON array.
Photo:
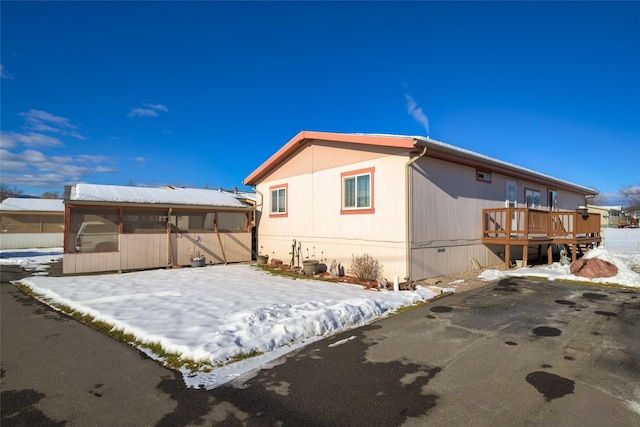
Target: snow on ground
[
  {"x": 621, "y": 247},
  {"x": 217, "y": 313},
  {"x": 36, "y": 260}
]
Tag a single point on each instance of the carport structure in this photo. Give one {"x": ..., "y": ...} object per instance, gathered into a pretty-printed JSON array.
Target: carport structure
[
  {"x": 31, "y": 223},
  {"x": 152, "y": 227}
]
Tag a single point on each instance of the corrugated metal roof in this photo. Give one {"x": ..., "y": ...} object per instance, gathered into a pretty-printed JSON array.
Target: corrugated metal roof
[
  {"x": 16, "y": 204},
  {"x": 429, "y": 142}
]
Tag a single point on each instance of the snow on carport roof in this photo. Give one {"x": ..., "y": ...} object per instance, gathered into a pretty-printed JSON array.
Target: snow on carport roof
[
  {"x": 16, "y": 204},
  {"x": 157, "y": 196}
]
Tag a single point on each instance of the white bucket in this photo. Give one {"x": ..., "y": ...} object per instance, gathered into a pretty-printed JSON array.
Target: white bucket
[{"x": 519, "y": 263}]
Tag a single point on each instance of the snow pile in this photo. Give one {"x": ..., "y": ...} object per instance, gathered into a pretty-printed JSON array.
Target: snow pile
[
  {"x": 621, "y": 248},
  {"x": 220, "y": 312}
]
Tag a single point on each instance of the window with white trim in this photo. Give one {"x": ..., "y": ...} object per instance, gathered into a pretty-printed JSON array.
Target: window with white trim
[
  {"x": 279, "y": 200},
  {"x": 532, "y": 198}
]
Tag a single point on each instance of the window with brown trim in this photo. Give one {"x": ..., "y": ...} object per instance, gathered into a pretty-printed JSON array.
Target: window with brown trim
[
  {"x": 357, "y": 191},
  {"x": 483, "y": 176}
]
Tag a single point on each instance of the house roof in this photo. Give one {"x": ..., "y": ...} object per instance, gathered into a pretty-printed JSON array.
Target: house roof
[
  {"x": 435, "y": 149},
  {"x": 15, "y": 204},
  {"x": 606, "y": 208},
  {"x": 170, "y": 196}
]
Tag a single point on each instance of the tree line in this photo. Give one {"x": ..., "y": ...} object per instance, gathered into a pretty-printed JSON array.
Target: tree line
[{"x": 7, "y": 191}]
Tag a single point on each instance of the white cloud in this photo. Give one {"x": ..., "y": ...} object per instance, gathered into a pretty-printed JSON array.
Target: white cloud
[
  {"x": 33, "y": 168},
  {"x": 34, "y": 157},
  {"x": 42, "y": 121},
  {"x": 105, "y": 169},
  {"x": 615, "y": 198},
  {"x": 11, "y": 162},
  {"x": 37, "y": 117},
  {"x": 52, "y": 180},
  {"x": 416, "y": 112},
  {"x": 31, "y": 139},
  {"x": 88, "y": 158},
  {"x": 4, "y": 73},
  {"x": 7, "y": 140},
  {"x": 147, "y": 110},
  {"x": 142, "y": 112},
  {"x": 158, "y": 107}
]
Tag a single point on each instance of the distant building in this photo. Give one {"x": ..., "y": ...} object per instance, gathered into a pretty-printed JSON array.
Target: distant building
[
  {"x": 610, "y": 216},
  {"x": 31, "y": 223}
]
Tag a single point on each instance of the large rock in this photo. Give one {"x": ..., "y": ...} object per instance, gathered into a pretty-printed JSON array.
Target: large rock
[{"x": 593, "y": 268}]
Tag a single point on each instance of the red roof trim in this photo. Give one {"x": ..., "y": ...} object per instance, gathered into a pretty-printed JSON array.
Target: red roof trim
[{"x": 298, "y": 141}]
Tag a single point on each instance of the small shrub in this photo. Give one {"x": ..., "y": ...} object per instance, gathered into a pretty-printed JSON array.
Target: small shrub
[{"x": 365, "y": 267}]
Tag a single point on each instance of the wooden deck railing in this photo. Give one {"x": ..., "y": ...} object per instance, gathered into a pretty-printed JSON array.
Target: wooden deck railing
[
  {"x": 573, "y": 225},
  {"x": 526, "y": 227}
]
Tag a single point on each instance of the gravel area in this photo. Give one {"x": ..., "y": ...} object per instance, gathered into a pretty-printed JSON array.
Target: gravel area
[{"x": 461, "y": 282}]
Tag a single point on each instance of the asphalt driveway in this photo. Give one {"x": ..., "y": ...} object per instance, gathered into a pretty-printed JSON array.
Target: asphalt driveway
[{"x": 517, "y": 352}]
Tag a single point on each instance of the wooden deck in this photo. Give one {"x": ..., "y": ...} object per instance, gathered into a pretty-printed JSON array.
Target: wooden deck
[{"x": 531, "y": 227}]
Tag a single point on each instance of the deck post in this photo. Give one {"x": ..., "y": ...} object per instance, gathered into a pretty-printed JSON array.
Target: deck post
[
  {"x": 507, "y": 256},
  {"x": 539, "y": 254},
  {"x": 549, "y": 254},
  {"x": 525, "y": 255}
]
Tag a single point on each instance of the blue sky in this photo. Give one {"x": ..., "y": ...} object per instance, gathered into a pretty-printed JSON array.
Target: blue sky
[{"x": 201, "y": 93}]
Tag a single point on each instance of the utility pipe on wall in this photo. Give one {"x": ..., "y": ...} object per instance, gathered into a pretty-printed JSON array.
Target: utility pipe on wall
[
  {"x": 170, "y": 260},
  {"x": 407, "y": 214},
  {"x": 255, "y": 215}
]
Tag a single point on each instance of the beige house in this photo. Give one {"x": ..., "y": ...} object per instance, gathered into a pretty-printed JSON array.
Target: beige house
[
  {"x": 609, "y": 215},
  {"x": 423, "y": 208},
  {"x": 117, "y": 228}
]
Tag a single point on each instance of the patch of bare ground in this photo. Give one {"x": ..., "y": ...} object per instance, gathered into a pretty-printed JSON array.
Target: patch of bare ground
[{"x": 461, "y": 281}]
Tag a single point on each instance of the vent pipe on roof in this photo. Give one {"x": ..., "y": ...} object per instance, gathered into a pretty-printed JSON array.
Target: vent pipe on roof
[{"x": 67, "y": 192}]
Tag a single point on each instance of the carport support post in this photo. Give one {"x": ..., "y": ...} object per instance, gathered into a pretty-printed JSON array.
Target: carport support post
[
  {"x": 169, "y": 248},
  {"x": 215, "y": 228},
  {"x": 67, "y": 228}
]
